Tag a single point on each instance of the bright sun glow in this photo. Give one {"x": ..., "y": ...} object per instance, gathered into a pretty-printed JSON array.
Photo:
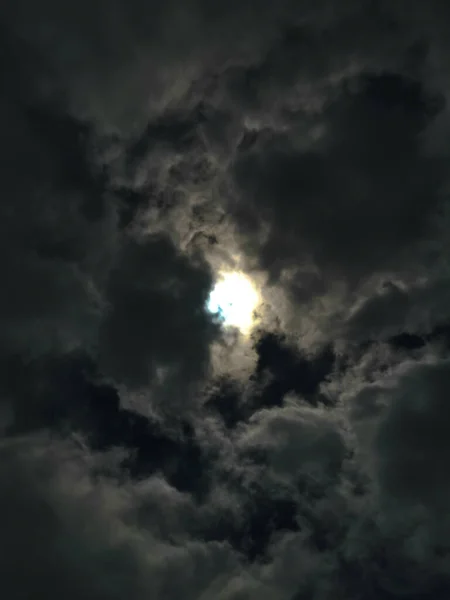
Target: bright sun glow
[{"x": 234, "y": 299}]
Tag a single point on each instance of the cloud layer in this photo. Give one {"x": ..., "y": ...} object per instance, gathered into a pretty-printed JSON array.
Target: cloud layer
[{"x": 145, "y": 452}]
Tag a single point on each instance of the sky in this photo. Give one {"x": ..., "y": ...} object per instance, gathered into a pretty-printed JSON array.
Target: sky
[{"x": 151, "y": 446}]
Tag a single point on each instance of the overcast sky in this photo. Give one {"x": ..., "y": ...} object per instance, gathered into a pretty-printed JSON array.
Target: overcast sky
[{"x": 147, "y": 451}]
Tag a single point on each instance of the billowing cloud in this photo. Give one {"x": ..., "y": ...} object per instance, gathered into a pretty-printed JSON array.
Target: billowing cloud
[
  {"x": 156, "y": 325},
  {"x": 148, "y": 451}
]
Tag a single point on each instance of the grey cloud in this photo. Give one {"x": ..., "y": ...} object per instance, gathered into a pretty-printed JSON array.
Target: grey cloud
[
  {"x": 118, "y": 64},
  {"x": 53, "y": 252},
  {"x": 400, "y": 421},
  {"x": 412, "y": 442},
  {"x": 397, "y": 308},
  {"x": 156, "y": 325},
  {"x": 137, "y": 136},
  {"x": 120, "y": 537},
  {"x": 399, "y": 424},
  {"x": 72, "y": 534},
  {"x": 355, "y": 201},
  {"x": 57, "y": 549},
  {"x": 61, "y": 236},
  {"x": 298, "y": 440}
]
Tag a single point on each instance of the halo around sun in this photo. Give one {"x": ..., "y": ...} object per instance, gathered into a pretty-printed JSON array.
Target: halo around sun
[{"x": 234, "y": 299}]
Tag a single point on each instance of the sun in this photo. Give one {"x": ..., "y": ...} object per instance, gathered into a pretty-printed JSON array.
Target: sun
[{"x": 234, "y": 300}]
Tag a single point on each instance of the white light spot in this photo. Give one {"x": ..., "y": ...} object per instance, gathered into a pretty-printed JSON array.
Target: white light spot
[{"x": 234, "y": 300}]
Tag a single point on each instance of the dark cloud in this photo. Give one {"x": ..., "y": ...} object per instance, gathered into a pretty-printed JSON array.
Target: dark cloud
[
  {"x": 144, "y": 450},
  {"x": 398, "y": 309},
  {"x": 416, "y": 426},
  {"x": 354, "y": 201},
  {"x": 400, "y": 427},
  {"x": 52, "y": 260},
  {"x": 58, "y": 528},
  {"x": 156, "y": 326}
]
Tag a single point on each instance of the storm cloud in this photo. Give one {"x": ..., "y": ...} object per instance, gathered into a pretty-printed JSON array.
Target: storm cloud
[{"x": 146, "y": 450}]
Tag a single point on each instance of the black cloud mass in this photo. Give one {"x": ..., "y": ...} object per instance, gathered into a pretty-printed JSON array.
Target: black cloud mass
[{"x": 146, "y": 450}]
